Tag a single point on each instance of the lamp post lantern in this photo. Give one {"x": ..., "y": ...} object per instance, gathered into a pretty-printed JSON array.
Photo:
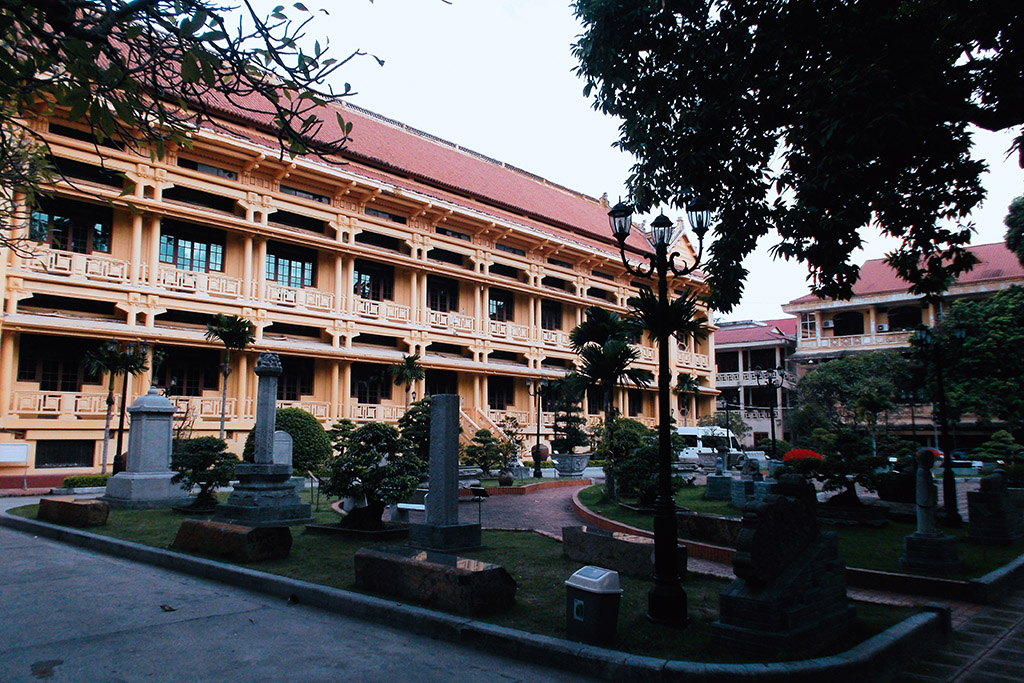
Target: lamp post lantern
[
  {"x": 538, "y": 392},
  {"x": 926, "y": 339},
  {"x": 771, "y": 378},
  {"x": 666, "y": 601}
]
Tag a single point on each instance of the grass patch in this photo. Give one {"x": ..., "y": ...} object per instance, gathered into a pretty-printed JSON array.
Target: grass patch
[
  {"x": 534, "y": 561},
  {"x": 862, "y": 547}
]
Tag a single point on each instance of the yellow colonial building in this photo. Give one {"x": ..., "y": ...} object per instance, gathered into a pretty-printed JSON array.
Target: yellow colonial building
[{"x": 409, "y": 244}]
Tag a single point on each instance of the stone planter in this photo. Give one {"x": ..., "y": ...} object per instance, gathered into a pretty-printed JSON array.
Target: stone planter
[
  {"x": 570, "y": 465},
  {"x": 505, "y": 477}
]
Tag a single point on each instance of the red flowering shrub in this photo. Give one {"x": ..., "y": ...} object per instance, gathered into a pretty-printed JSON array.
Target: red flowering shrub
[{"x": 798, "y": 454}]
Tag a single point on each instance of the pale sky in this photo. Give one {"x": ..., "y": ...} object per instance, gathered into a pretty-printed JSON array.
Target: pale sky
[{"x": 496, "y": 76}]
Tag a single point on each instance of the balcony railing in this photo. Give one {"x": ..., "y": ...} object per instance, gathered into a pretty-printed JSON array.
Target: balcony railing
[
  {"x": 321, "y": 410},
  {"x": 749, "y": 377},
  {"x": 555, "y": 338},
  {"x": 69, "y": 405},
  {"x": 201, "y": 407},
  {"x": 523, "y": 417},
  {"x": 369, "y": 412},
  {"x": 646, "y": 353},
  {"x": 699, "y": 361},
  {"x": 899, "y": 338},
  {"x": 387, "y": 310},
  {"x": 451, "y": 321},
  {"x": 87, "y": 266},
  {"x": 509, "y": 330},
  {"x": 305, "y": 297},
  {"x": 200, "y": 283}
]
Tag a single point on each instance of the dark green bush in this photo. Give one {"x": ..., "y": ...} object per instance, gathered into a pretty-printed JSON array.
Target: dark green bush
[
  {"x": 311, "y": 447},
  {"x": 81, "y": 481},
  {"x": 203, "y": 462}
]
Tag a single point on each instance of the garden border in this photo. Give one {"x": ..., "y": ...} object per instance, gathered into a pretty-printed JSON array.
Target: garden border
[
  {"x": 872, "y": 659},
  {"x": 984, "y": 590}
]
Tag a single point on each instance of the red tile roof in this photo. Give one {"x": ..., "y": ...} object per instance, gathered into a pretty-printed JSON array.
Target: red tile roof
[
  {"x": 995, "y": 262},
  {"x": 772, "y": 330},
  {"x": 395, "y": 147}
]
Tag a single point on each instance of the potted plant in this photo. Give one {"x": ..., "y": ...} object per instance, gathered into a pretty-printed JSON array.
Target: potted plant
[{"x": 569, "y": 427}]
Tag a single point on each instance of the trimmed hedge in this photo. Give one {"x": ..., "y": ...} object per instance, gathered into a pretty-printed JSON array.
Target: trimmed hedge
[
  {"x": 311, "y": 447},
  {"x": 82, "y": 481}
]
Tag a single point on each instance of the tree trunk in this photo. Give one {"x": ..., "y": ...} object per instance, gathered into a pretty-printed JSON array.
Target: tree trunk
[{"x": 609, "y": 472}]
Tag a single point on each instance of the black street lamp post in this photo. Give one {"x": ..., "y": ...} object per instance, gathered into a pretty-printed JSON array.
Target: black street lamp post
[
  {"x": 666, "y": 601},
  {"x": 541, "y": 387},
  {"x": 771, "y": 378},
  {"x": 933, "y": 349}
]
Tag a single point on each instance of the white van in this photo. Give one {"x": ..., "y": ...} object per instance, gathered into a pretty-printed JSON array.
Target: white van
[{"x": 704, "y": 441}]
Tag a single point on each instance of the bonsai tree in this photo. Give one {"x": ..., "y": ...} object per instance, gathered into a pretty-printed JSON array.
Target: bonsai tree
[
  {"x": 235, "y": 333},
  {"x": 202, "y": 462},
  {"x": 623, "y": 436},
  {"x": 847, "y": 463},
  {"x": 566, "y": 396},
  {"x": 311, "y": 447},
  {"x": 486, "y": 451},
  {"x": 370, "y": 465},
  {"x": 999, "y": 448},
  {"x": 511, "y": 440},
  {"x": 414, "y": 426}
]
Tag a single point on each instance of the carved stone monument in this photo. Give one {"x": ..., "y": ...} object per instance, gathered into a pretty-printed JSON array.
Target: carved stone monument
[
  {"x": 994, "y": 518},
  {"x": 265, "y": 494},
  {"x": 928, "y": 549},
  {"x": 719, "y": 484},
  {"x": 790, "y": 594},
  {"x": 146, "y": 480},
  {"x": 442, "y": 529}
]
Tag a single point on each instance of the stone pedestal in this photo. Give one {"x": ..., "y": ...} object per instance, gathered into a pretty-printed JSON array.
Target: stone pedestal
[
  {"x": 742, "y": 492},
  {"x": 994, "y": 518},
  {"x": 146, "y": 481},
  {"x": 932, "y": 553},
  {"x": 719, "y": 487},
  {"x": 764, "y": 488},
  {"x": 265, "y": 494}
]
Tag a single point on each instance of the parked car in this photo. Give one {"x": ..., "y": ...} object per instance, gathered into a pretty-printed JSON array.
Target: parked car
[{"x": 700, "y": 446}]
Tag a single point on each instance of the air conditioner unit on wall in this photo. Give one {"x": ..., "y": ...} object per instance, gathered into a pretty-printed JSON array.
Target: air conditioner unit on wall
[
  {"x": 827, "y": 324},
  {"x": 884, "y": 327}
]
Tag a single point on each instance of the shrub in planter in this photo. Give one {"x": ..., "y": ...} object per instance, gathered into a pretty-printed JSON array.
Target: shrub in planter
[
  {"x": 311, "y": 447},
  {"x": 369, "y": 464},
  {"x": 81, "y": 481},
  {"x": 485, "y": 452},
  {"x": 846, "y": 464},
  {"x": 202, "y": 462}
]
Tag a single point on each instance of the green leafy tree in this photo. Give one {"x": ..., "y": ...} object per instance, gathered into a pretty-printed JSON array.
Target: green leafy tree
[
  {"x": 1000, "y": 448},
  {"x": 370, "y": 465},
  {"x": 405, "y": 373},
  {"x": 340, "y": 431},
  {"x": 809, "y": 121},
  {"x": 414, "y": 426},
  {"x": 847, "y": 463},
  {"x": 204, "y": 462},
  {"x": 146, "y": 74},
  {"x": 235, "y": 333},
  {"x": 632, "y": 449},
  {"x": 979, "y": 379},
  {"x": 311, "y": 447},
  {"x": 730, "y": 420},
  {"x": 486, "y": 451},
  {"x": 1014, "y": 223}
]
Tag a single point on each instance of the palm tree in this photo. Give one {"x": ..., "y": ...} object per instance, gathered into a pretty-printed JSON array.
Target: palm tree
[
  {"x": 606, "y": 357},
  {"x": 235, "y": 333},
  {"x": 111, "y": 358},
  {"x": 687, "y": 385},
  {"x": 406, "y": 372}
]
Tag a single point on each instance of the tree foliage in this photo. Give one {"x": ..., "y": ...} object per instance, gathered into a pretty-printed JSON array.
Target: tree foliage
[
  {"x": 204, "y": 462},
  {"x": 813, "y": 119},
  {"x": 487, "y": 451},
  {"x": 1000, "y": 448},
  {"x": 414, "y": 426},
  {"x": 406, "y": 372},
  {"x": 1014, "y": 223},
  {"x": 311, "y": 447},
  {"x": 726, "y": 419},
  {"x": 981, "y": 378},
  {"x": 370, "y": 465},
  {"x": 146, "y": 74},
  {"x": 565, "y": 398}
]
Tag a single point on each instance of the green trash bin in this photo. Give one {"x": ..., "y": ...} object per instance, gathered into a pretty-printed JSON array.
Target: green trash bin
[{"x": 592, "y": 598}]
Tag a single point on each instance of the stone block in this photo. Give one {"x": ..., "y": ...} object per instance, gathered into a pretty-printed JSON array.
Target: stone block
[
  {"x": 627, "y": 554},
  {"x": 143, "y": 490},
  {"x": 233, "y": 542},
  {"x": 742, "y": 492},
  {"x": 715, "y": 529},
  {"x": 444, "y": 537},
  {"x": 68, "y": 511},
  {"x": 932, "y": 553},
  {"x": 447, "y": 582},
  {"x": 719, "y": 487}
]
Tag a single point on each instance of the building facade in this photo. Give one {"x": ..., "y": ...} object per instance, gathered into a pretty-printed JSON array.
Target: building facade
[
  {"x": 743, "y": 349},
  {"x": 882, "y": 315},
  {"x": 411, "y": 245}
]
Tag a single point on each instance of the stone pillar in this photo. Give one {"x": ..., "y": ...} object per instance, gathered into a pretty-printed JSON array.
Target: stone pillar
[
  {"x": 442, "y": 530},
  {"x": 146, "y": 481},
  {"x": 268, "y": 370}
]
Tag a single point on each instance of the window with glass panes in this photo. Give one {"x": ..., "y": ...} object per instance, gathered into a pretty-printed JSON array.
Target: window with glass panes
[
  {"x": 374, "y": 281},
  {"x": 296, "y": 378},
  {"x": 442, "y": 294},
  {"x": 56, "y": 363},
  {"x": 500, "y": 305},
  {"x": 290, "y": 267},
  {"x": 187, "y": 372},
  {"x": 550, "y": 315},
  {"x": 370, "y": 383},
  {"x": 808, "y": 326},
  {"x": 71, "y": 226},
  {"x": 500, "y": 392},
  {"x": 191, "y": 247}
]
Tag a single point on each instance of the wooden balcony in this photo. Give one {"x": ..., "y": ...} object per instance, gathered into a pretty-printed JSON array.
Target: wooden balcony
[
  {"x": 211, "y": 284},
  {"x": 509, "y": 330},
  {"x": 304, "y": 297},
  {"x": 451, "y": 321},
  {"x": 371, "y": 412},
  {"x": 93, "y": 267},
  {"x": 878, "y": 339},
  {"x": 61, "y": 404},
  {"x": 383, "y": 310}
]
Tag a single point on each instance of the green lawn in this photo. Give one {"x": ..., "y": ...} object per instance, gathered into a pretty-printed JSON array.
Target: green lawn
[
  {"x": 535, "y": 562},
  {"x": 863, "y": 547}
]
